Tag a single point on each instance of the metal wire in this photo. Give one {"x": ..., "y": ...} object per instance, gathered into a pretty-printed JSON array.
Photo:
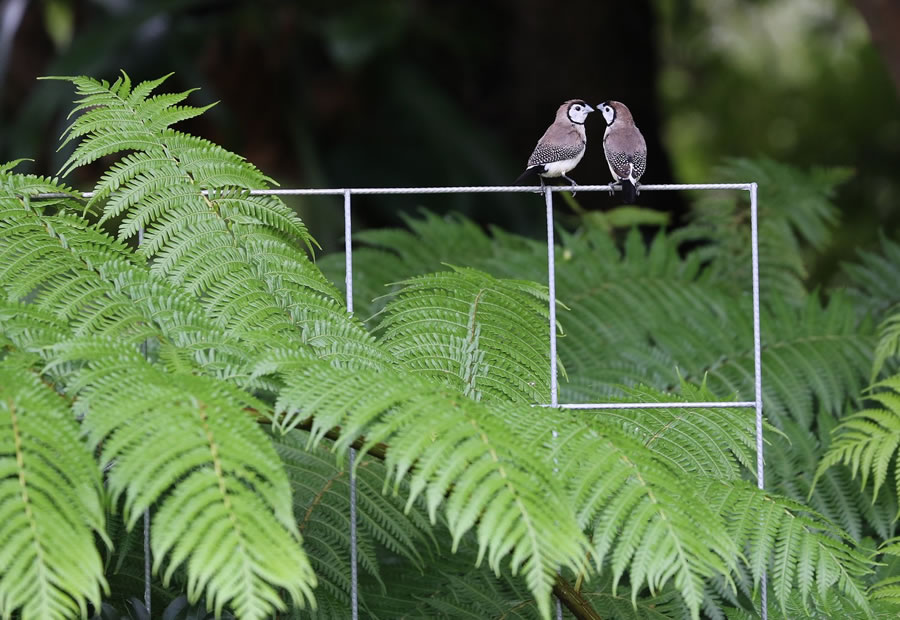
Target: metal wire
[
  {"x": 551, "y": 286},
  {"x": 551, "y": 292},
  {"x": 348, "y": 283},
  {"x": 466, "y": 189},
  {"x": 147, "y": 561},
  {"x": 727, "y": 404}
]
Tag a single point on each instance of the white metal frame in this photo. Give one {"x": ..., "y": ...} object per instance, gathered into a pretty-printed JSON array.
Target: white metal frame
[{"x": 548, "y": 192}]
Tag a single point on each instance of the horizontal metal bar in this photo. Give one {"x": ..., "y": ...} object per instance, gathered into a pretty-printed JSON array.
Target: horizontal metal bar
[
  {"x": 471, "y": 189},
  {"x": 729, "y": 404}
]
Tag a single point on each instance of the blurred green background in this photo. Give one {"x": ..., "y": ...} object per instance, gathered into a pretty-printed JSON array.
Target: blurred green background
[{"x": 425, "y": 92}]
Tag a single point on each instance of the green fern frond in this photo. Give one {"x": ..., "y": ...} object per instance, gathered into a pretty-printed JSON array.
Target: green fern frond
[
  {"x": 868, "y": 441},
  {"x": 461, "y": 449},
  {"x": 833, "y": 604},
  {"x": 20, "y": 190},
  {"x": 10, "y": 165},
  {"x": 623, "y": 303},
  {"x": 486, "y": 337},
  {"x": 642, "y": 515},
  {"x": 620, "y": 332},
  {"x": 875, "y": 278},
  {"x": 798, "y": 549},
  {"x": 887, "y": 589},
  {"x": 321, "y": 501},
  {"x": 40, "y": 264},
  {"x": 795, "y": 210},
  {"x": 791, "y": 462},
  {"x": 186, "y": 442},
  {"x": 707, "y": 442},
  {"x": 237, "y": 252},
  {"x": 888, "y": 343},
  {"x": 114, "y": 119},
  {"x": 50, "y": 503}
]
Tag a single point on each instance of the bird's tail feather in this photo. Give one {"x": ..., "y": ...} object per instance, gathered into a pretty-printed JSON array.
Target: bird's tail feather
[
  {"x": 529, "y": 173},
  {"x": 629, "y": 192}
]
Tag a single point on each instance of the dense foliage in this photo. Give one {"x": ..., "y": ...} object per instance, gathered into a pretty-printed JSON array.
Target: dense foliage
[{"x": 170, "y": 345}]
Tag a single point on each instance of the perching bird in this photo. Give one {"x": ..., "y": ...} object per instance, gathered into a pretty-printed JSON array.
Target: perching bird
[
  {"x": 562, "y": 146},
  {"x": 624, "y": 146}
]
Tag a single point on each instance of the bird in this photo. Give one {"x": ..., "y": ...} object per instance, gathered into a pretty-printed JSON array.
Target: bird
[
  {"x": 562, "y": 146},
  {"x": 624, "y": 147}
]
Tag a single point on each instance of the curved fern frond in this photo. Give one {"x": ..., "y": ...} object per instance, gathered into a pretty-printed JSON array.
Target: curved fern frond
[
  {"x": 868, "y": 441},
  {"x": 224, "y": 499},
  {"x": 50, "y": 503},
  {"x": 483, "y": 336},
  {"x": 620, "y": 331}
]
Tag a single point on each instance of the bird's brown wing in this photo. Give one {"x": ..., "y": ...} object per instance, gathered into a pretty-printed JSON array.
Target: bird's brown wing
[
  {"x": 623, "y": 148},
  {"x": 557, "y": 144}
]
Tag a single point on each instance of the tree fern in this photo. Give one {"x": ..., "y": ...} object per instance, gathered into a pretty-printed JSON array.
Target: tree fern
[
  {"x": 169, "y": 356},
  {"x": 225, "y": 495},
  {"x": 797, "y": 547},
  {"x": 791, "y": 462}
]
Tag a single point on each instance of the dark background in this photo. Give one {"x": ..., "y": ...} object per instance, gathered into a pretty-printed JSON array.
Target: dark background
[{"x": 429, "y": 92}]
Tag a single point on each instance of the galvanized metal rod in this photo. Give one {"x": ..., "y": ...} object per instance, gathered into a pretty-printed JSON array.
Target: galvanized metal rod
[
  {"x": 551, "y": 288},
  {"x": 147, "y": 562},
  {"x": 468, "y": 189},
  {"x": 348, "y": 282},
  {"x": 757, "y": 371},
  {"x": 728, "y": 404},
  {"x": 147, "y": 557}
]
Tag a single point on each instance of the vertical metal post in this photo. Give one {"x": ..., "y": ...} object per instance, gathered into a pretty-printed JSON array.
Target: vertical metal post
[
  {"x": 348, "y": 283},
  {"x": 147, "y": 562},
  {"x": 551, "y": 288},
  {"x": 551, "y": 282},
  {"x": 757, "y": 370},
  {"x": 147, "y": 558}
]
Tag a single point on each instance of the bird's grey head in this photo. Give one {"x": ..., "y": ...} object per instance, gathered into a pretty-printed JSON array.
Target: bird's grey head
[
  {"x": 575, "y": 110},
  {"x": 613, "y": 111}
]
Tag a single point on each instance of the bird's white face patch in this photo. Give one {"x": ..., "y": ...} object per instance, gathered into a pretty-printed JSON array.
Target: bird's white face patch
[
  {"x": 578, "y": 112},
  {"x": 609, "y": 113}
]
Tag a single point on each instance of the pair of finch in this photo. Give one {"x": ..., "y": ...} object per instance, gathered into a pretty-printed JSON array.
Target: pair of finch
[{"x": 563, "y": 144}]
